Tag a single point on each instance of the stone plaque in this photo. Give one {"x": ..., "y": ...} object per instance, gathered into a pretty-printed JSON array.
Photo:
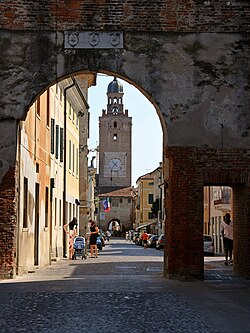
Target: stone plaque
[{"x": 93, "y": 40}]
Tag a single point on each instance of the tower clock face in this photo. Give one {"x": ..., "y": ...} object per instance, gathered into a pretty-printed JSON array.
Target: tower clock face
[{"x": 115, "y": 164}]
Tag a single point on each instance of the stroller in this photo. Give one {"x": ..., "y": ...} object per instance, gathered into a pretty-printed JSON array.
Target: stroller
[{"x": 79, "y": 248}]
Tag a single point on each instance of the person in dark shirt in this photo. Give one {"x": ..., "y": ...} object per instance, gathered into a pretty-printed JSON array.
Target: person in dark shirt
[{"x": 94, "y": 231}]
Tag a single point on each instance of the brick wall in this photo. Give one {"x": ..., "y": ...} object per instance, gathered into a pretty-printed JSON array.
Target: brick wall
[
  {"x": 189, "y": 170},
  {"x": 8, "y": 225},
  {"x": 241, "y": 218},
  {"x": 128, "y": 15}
]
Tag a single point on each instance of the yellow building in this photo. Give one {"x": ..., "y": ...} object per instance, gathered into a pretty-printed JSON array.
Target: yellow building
[
  {"x": 33, "y": 156},
  {"x": 145, "y": 199},
  {"x": 69, "y": 193},
  {"x": 50, "y": 138}
]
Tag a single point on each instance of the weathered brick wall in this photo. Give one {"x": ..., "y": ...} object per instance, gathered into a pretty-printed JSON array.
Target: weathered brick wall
[
  {"x": 189, "y": 170},
  {"x": 128, "y": 15},
  {"x": 8, "y": 225},
  {"x": 241, "y": 220}
]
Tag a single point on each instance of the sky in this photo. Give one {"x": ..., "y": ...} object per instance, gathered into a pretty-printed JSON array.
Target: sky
[{"x": 146, "y": 127}]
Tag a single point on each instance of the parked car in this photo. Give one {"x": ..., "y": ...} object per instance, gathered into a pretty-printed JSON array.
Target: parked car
[
  {"x": 152, "y": 241},
  {"x": 160, "y": 242},
  {"x": 137, "y": 239},
  {"x": 135, "y": 236},
  {"x": 208, "y": 245}
]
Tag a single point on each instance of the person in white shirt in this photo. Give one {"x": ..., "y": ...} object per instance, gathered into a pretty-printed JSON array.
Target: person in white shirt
[{"x": 227, "y": 233}]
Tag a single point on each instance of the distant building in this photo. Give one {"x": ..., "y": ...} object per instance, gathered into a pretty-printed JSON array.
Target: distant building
[
  {"x": 120, "y": 217},
  {"x": 145, "y": 198},
  {"x": 114, "y": 142},
  {"x": 149, "y": 202},
  {"x": 114, "y": 178}
]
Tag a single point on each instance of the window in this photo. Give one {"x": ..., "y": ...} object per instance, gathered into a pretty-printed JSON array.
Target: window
[
  {"x": 48, "y": 108},
  {"x": 120, "y": 200},
  {"x": 67, "y": 107},
  {"x": 61, "y": 144},
  {"x": 46, "y": 207},
  {"x": 52, "y": 140},
  {"x": 115, "y": 202},
  {"x": 129, "y": 200},
  {"x": 57, "y": 141},
  {"x": 73, "y": 158},
  {"x": 115, "y": 137},
  {"x": 25, "y": 202},
  {"x": 151, "y": 184},
  {"x": 38, "y": 106},
  {"x": 150, "y": 198},
  {"x": 70, "y": 154},
  {"x": 70, "y": 111},
  {"x": 77, "y": 161},
  {"x": 115, "y": 124},
  {"x": 150, "y": 215},
  {"x": 55, "y": 212},
  {"x": 61, "y": 95}
]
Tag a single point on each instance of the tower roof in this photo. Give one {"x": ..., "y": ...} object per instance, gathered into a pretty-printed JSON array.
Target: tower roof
[{"x": 115, "y": 87}]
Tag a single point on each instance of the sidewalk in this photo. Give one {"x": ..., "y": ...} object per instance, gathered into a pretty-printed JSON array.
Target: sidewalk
[{"x": 124, "y": 291}]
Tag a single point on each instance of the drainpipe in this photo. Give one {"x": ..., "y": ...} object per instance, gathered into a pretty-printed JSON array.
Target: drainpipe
[
  {"x": 19, "y": 137},
  {"x": 65, "y": 161}
]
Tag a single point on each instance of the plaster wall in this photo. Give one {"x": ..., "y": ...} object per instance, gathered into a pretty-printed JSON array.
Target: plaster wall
[{"x": 197, "y": 82}]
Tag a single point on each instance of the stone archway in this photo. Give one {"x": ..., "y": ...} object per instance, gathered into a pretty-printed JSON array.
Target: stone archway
[
  {"x": 203, "y": 131},
  {"x": 115, "y": 226}
]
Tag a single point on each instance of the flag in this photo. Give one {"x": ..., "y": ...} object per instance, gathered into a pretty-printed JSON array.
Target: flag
[{"x": 106, "y": 205}]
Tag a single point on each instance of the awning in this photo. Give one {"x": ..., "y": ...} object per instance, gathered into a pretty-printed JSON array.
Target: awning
[{"x": 145, "y": 225}]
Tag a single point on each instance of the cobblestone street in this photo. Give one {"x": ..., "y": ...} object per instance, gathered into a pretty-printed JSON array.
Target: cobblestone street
[{"x": 124, "y": 291}]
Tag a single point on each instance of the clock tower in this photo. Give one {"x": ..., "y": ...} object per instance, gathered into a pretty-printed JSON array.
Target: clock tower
[{"x": 114, "y": 142}]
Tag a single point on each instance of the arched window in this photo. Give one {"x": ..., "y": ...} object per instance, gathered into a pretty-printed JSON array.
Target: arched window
[
  {"x": 115, "y": 124},
  {"x": 115, "y": 100},
  {"x": 115, "y": 137}
]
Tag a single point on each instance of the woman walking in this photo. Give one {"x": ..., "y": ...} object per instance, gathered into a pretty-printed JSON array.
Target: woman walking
[
  {"x": 72, "y": 233},
  {"x": 92, "y": 240}
]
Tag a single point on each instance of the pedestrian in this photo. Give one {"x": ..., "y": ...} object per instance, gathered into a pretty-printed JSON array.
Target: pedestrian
[
  {"x": 227, "y": 233},
  {"x": 108, "y": 235},
  {"x": 72, "y": 231},
  {"x": 126, "y": 236},
  {"x": 94, "y": 231},
  {"x": 145, "y": 238}
]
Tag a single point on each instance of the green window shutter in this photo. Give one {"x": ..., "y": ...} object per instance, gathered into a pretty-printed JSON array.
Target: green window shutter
[
  {"x": 52, "y": 136},
  {"x": 57, "y": 141},
  {"x": 61, "y": 144}
]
